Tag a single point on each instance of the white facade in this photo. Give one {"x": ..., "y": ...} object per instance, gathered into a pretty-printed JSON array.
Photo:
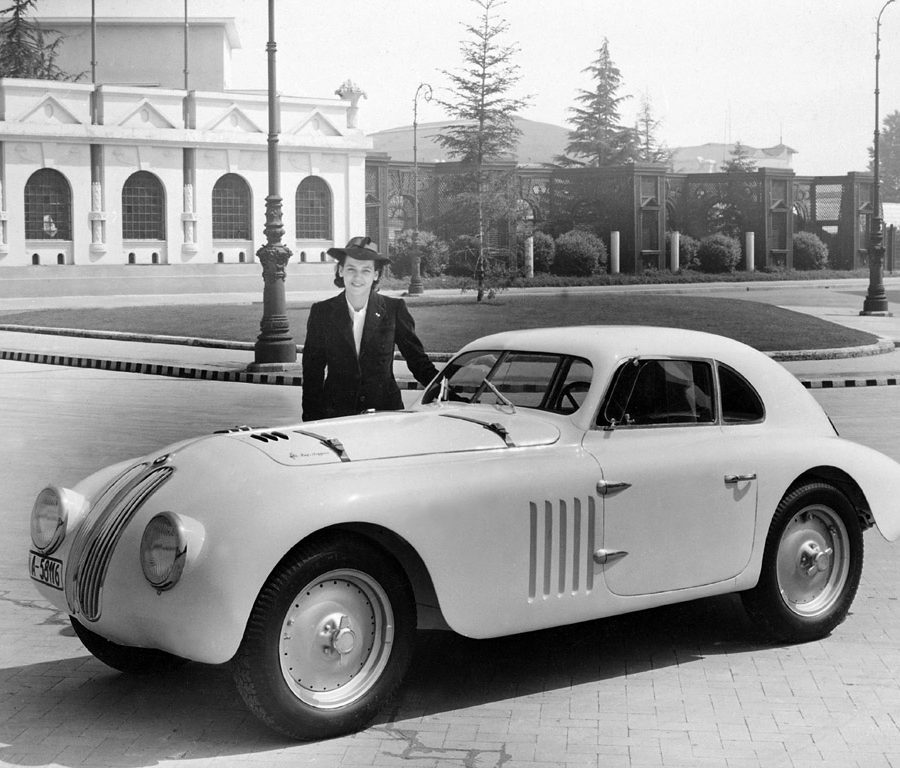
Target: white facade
[{"x": 48, "y": 125}]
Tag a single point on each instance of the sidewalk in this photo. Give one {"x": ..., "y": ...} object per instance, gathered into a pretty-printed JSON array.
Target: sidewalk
[{"x": 228, "y": 361}]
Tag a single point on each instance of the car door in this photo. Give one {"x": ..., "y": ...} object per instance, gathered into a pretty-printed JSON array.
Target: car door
[{"x": 679, "y": 489}]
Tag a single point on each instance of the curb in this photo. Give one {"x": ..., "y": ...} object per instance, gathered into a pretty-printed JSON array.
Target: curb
[{"x": 208, "y": 373}]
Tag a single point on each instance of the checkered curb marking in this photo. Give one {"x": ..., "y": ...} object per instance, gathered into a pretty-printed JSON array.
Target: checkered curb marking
[
  {"x": 154, "y": 369},
  {"x": 852, "y": 382},
  {"x": 284, "y": 379}
]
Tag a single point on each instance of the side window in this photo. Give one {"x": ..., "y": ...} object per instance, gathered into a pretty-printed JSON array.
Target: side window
[
  {"x": 658, "y": 392},
  {"x": 740, "y": 402},
  {"x": 574, "y": 387}
]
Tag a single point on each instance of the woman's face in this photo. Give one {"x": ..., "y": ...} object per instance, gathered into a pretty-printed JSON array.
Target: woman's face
[{"x": 359, "y": 276}]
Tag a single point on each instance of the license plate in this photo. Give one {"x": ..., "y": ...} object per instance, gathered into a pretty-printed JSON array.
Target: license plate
[{"x": 47, "y": 570}]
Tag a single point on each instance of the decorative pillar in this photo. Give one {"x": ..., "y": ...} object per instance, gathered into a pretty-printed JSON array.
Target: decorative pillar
[
  {"x": 675, "y": 248},
  {"x": 350, "y": 91},
  {"x": 189, "y": 216},
  {"x": 4, "y": 243},
  {"x": 529, "y": 256},
  {"x": 614, "y": 253},
  {"x": 97, "y": 216},
  {"x": 750, "y": 251}
]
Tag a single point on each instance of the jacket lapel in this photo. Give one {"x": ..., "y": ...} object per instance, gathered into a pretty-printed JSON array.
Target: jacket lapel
[
  {"x": 374, "y": 316},
  {"x": 341, "y": 320}
]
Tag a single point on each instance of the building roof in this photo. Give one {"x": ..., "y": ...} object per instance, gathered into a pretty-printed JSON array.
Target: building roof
[
  {"x": 538, "y": 145},
  {"x": 710, "y": 157}
]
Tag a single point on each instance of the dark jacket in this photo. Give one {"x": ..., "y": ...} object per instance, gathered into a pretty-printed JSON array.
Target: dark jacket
[{"x": 335, "y": 381}]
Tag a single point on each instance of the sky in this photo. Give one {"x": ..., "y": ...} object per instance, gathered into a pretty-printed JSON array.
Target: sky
[{"x": 801, "y": 72}]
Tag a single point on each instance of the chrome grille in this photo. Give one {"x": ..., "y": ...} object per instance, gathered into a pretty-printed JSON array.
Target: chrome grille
[{"x": 98, "y": 536}]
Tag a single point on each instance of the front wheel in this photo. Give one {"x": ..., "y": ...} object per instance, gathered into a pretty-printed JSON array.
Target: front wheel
[
  {"x": 328, "y": 641},
  {"x": 811, "y": 566}
]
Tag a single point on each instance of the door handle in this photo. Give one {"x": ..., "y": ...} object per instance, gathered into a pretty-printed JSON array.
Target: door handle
[
  {"x": 732, "y": 479},
  {"x": 609, "y": 487}
]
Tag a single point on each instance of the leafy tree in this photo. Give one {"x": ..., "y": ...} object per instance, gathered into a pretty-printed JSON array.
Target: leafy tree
[
  {"x": 480, "y": 101},
  {"x": 888, "y": 158},
  {"x": 649, "y": 149},
  {"x": 27, "y": 50},
  {"x": 599, "y": 138}
]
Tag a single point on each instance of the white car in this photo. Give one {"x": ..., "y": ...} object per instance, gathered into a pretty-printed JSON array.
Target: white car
[{"x": 546, "y": 477}]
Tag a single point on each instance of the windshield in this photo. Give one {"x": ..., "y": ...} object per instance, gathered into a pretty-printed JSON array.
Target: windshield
[{"x": 544, "y": 381}]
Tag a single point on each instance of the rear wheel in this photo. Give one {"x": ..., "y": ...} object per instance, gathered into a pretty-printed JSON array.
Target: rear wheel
[
  {"x": 329, "y": 640},
  {"x": 811, "y": 566}
]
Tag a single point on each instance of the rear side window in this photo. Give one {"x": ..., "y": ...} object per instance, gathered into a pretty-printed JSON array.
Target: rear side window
[
  {"x": 740, "y": 402},
  {"x": 660, "y": 392}
]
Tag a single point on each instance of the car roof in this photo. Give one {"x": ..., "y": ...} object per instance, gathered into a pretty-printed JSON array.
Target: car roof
[{"x": 605, "y": 346}]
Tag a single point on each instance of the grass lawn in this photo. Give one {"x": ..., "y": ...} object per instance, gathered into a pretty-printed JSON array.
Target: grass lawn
[{"x": 447, "y": 322}]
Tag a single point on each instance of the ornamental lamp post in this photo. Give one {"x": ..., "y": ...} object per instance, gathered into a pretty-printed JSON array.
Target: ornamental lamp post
[
  {"x": 415, "y": 280},
  {"x": 876, "y": 300},
  {"x": 274, "y": 349}
]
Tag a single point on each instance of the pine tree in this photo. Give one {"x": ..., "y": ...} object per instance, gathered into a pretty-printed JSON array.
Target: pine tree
[
  {"x": 26, "y": 50},
  {"x": 740, "y": 162},
  {"x": 888, "y": 158},
  {"x": 738, "y": 194},
  {"x": 479, "y": 99},
  {"x": 599, "y": 138},
  {"x": 649, "y": 149}
]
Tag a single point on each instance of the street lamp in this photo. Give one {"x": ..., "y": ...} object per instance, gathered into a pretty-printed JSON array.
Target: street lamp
[
  {"x": 876, "y": 300},
  {"x": 274, "y": 348},
  {"x": 415, "y": 281}
]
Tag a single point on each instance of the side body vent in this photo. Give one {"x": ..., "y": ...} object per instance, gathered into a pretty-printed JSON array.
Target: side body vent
[{"x": 562, "y": 541}]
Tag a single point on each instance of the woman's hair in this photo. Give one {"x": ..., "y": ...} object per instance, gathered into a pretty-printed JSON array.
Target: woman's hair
[{"x": 339, "y": 281}]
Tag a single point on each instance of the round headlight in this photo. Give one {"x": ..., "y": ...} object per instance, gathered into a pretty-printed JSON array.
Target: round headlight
[
  {"x": 163, "y": 551},
  {"x": 49, "y": 517}
]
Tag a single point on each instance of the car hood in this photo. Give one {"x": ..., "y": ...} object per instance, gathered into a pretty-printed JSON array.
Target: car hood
[{"x": 395, "y": 434}]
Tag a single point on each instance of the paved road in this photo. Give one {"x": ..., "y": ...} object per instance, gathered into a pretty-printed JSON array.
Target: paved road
[{"x": 679, "y": 687}]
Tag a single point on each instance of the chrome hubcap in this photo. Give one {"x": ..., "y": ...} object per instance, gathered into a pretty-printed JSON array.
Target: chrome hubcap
[
  {"x": 813, "y": 560},
  {"x": 336, "y": 638}
]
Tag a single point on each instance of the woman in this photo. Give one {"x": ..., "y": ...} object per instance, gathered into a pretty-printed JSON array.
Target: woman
[{"x": 348, "y": 355}]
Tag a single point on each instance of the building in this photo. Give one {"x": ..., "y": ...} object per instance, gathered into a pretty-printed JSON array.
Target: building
[
  {"x": 137, "y": 169},
  {"x": 709, "y": 158}
]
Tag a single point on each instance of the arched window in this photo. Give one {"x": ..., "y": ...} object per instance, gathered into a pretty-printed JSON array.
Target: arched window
[
  {"x": 143, "y": 208},
  {"x": 231, "y": 208},
  {"x": 48, "y": 206},
  {"x": 401, "y": 215},
  {"x": 313, "y": 203}
]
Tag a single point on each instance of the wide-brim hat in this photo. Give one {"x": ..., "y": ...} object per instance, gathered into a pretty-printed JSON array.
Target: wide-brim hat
[{"x": 361, "y": 248}]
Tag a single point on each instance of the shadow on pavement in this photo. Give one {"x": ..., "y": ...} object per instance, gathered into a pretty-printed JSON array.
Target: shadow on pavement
[{"x": 77, "y": 712}]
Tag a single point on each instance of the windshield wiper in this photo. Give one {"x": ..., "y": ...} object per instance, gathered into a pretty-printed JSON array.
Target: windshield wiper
[{"x": 500, "y": 396}]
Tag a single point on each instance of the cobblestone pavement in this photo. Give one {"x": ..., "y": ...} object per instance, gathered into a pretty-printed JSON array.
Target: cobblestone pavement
[{"x": 683, "y": 686}]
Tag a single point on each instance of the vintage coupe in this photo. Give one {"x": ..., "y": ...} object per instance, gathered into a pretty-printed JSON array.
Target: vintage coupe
[{"x": 545, "y": 477}]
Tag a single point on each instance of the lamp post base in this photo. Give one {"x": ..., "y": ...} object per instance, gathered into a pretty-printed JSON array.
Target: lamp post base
[{"x": 274, "y": 367}]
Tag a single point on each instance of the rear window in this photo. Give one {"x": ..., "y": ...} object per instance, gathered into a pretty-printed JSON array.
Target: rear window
[{"x": 740, "y": 402}]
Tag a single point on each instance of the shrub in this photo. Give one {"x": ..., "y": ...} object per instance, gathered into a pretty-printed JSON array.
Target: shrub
[
  {"x": 432, "y": 253},
  {"x": 463, "y": 253},
  {"x": 578, "y": 253},
  {"x": 687, "y": 251},
  {"x": 809, "y": 251},
  {"x": 719, "y": 253}
]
